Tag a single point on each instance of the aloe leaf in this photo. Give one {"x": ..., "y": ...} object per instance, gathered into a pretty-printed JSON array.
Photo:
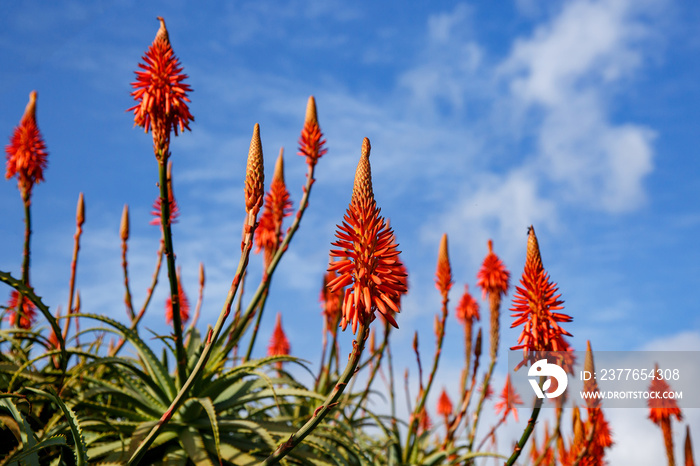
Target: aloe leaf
[
  {"x": 211, "y": 413},
  {"x": 31, "y": 453},
  {"x": 28, "y": 292},
  {"x": 80, "y": 447},
  {"x": 192, "y": 442},
  {"x": 25, "y": 431},
  {"x": 153, "y": 365}
]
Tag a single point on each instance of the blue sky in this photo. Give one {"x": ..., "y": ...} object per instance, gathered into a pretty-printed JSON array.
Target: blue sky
[{"x": 577, "y": 117}]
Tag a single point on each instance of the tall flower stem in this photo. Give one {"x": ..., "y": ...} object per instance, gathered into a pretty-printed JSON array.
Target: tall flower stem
[
  {"x": 211, "y": 339},
  {"x": 413, "y": 426},
  {"x": 254, "y": 334},
  {"x": 26, "y": 252},
  {"x": 164, "y": 182},
  {"x": 237, "y": 328},
  {"x": 80, "y": 218},
  {"x": 526, "y": 433},
  {"x": 480, "y": 404},
  {"x": 135, "y": 321},
  {"x": 253, "y": 191},
  {"x": 124, "y": 235},
  {"x": 329, "y": 403},
  {"x": 373, "y": 373},
  {"x": 396, "y": 446}
]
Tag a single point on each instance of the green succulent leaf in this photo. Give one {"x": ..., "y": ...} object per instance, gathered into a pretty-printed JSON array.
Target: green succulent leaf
[{"x": 80, "y": 447}]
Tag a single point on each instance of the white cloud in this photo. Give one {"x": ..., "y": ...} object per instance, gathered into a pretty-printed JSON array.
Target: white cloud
[
  {"x": 683, "y": 341},
  {"x": 564, "y": 74}
]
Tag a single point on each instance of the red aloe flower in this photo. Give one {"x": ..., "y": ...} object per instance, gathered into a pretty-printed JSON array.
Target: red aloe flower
[
  {"x": 311, "y": 142},
  {"x": 602, "y": 435},
  {"x": 174, "y": 210},
  {"x": 184, "y": 304},
  {"x": 534, "y": 304},
  {"x": 444, "y": 404},
  {"x": 493, "y": 277},
  {"x": 26, "y": 153},
  {"x": 23, "y": 319},
  {"x": 443, "y": 274},
  {"x": 589, "y": 446},
  {"x": 160, "y": 92},
  {"x": 268, "y": 234},
  {"x": 369, "y": 265},
  {"x": 424, "y": 421},
  {"x": 662, "y": 410},
  {"x": 509, "y": 401},
  {"x": 279, "y": 345},
  {"x": 688, "y": 449},
  {"x": 467, "y": 308},
  {"x": 544, "y": 455},
  {"x": 331, "y": 302},
  {"x": 172, "y": 202},
  {"x": 602, "y": 438}
]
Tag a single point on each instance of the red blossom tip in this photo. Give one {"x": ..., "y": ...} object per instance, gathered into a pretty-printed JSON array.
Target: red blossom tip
[
  {"x": 23, "y": 318},
  {"x": 508, "y": 401},
  {"x": 443, "y": 274},
  {"x": 468, "y": 308},
  {"x": 279, "y": 344},
  {"x": 444, "y": 405},
  {"x": 184, "y": 304},
  {"x": 493, "y": 277},
  {"x": 311, "y": 141},
  {"x": 268, "y": 234},
  {"x": 662, "y": 409},
  {"x": 26, "y": 153}
]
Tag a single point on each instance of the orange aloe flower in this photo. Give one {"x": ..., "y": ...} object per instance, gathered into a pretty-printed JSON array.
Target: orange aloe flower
[
  {"x": 268, "y": 234},
  {"x": 444, "y": 404},
  {"x": 509, "y": 401},
  {"x": 545, "y": 454},
  {"x": 23, "y": 319},
  {"x": 602, "y": 435},
  {"x": 172, "y": 202},
  {"x": 424, "y": 421},
  {"x": 534, "y": 305},
  {"x": 443, "y": 274},
  {"x": 368, "y": 265},
  {"x": 279, "y": 344},
  {"x": 311, "y": 142},
  {"x": 662, "y": 410},
  {"x": 160, "y": 92},
  {"x": 184, "y": 304},
  {"x": 493, "y": 277},
  {"x": 467, "y": 308},
  {"x": 331, "y": 302},
  {"x": 174, "y": 210},
  {"x": 26, "y": 153}
]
